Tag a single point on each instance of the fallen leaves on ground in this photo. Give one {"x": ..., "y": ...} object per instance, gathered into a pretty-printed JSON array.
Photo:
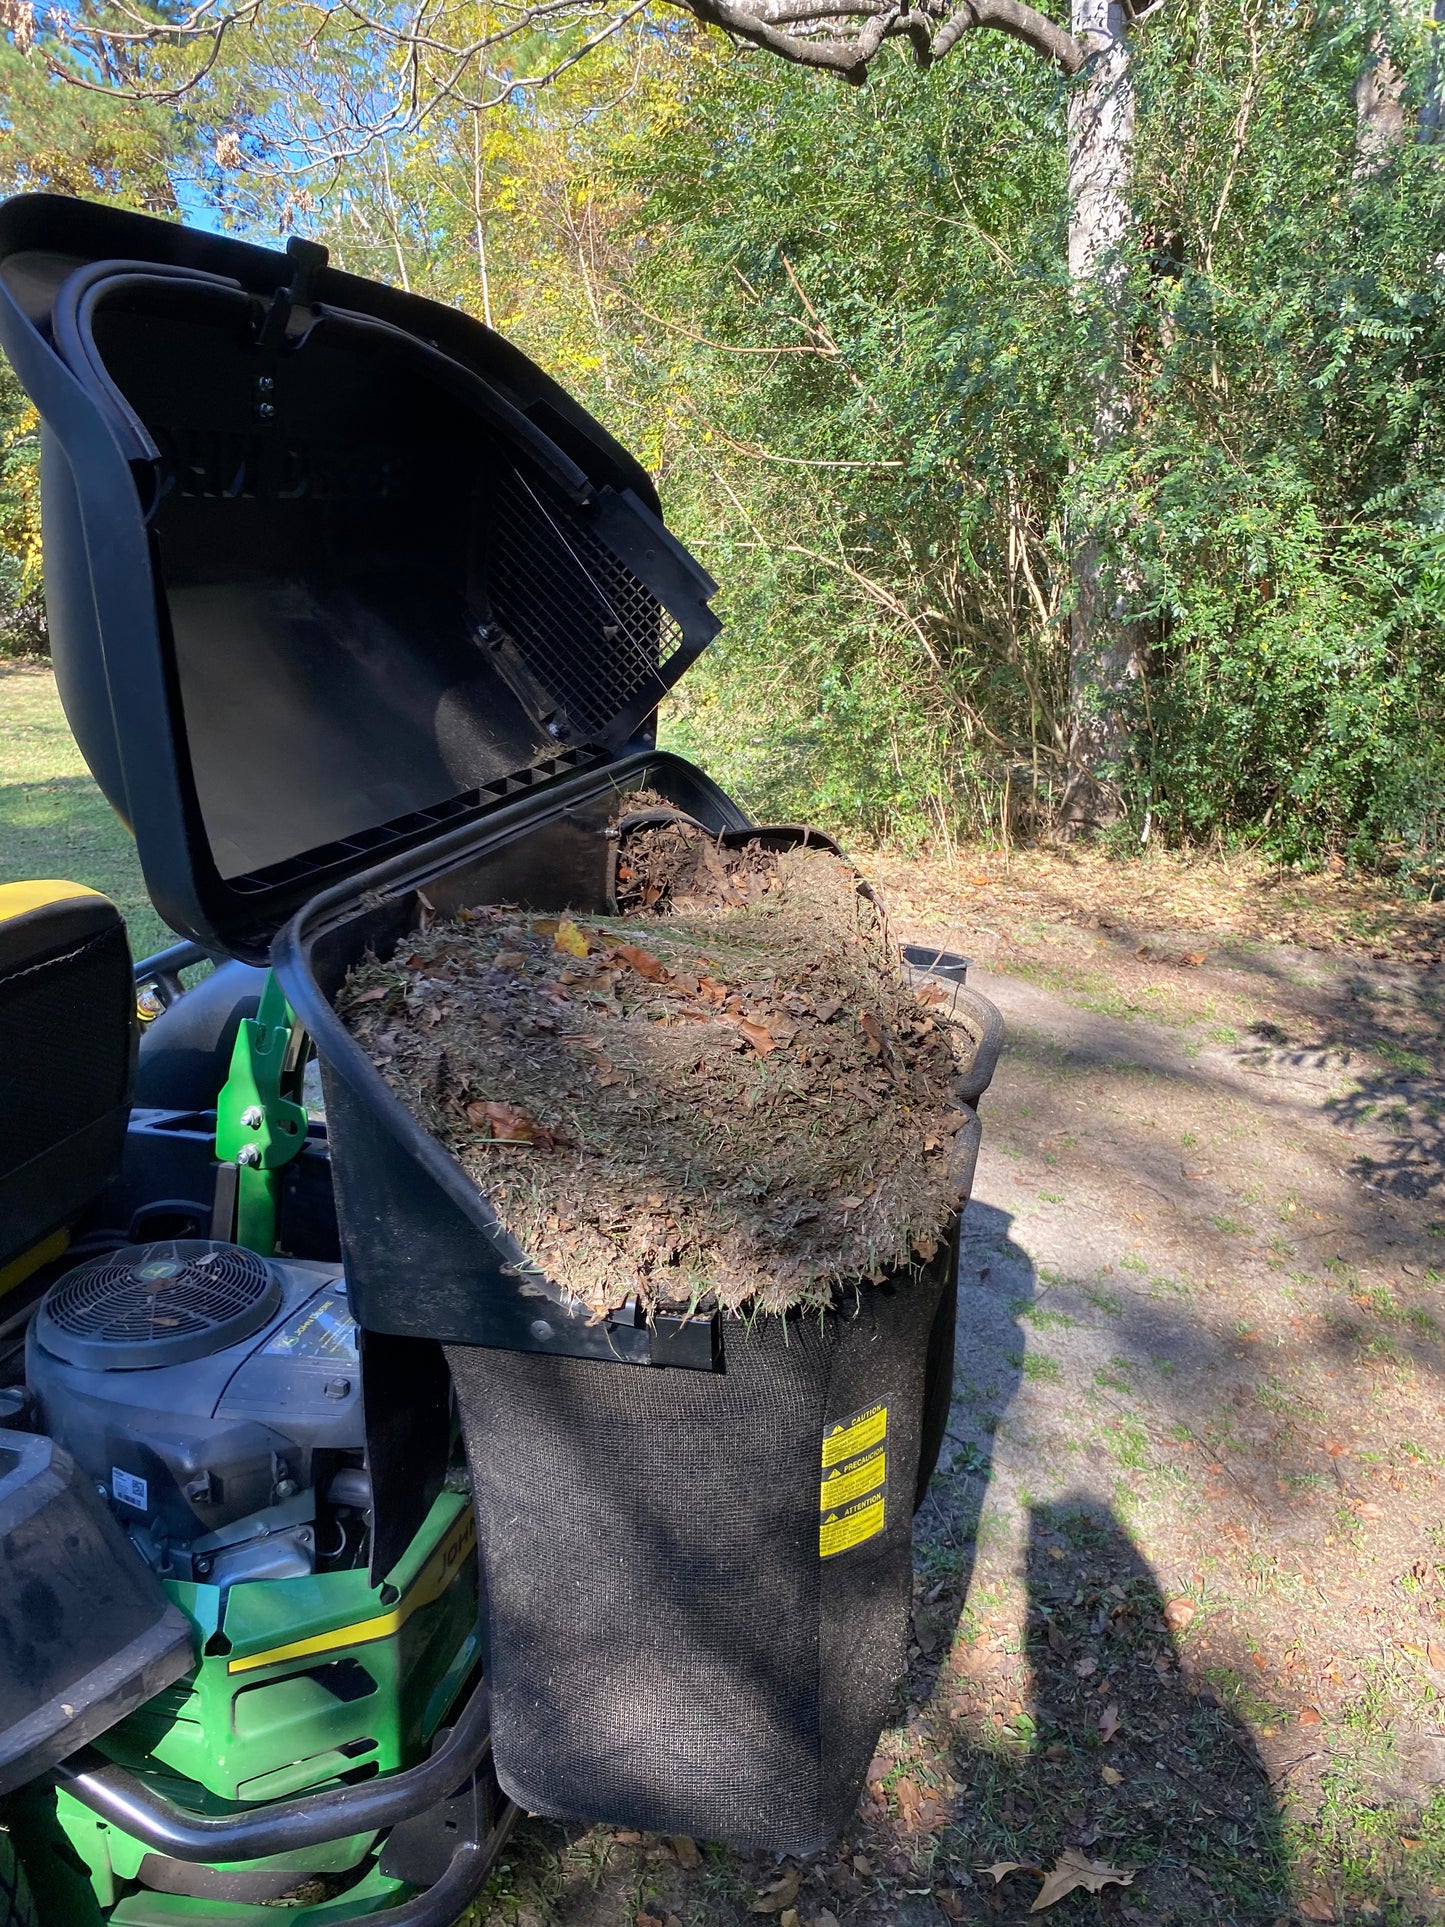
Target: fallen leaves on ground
[
  {"x": 570, "y": 939},
  {"x": 1178, "y": 1614},
  {"x": 1177, "y": 898},
  {"x": 509, "y": 1124},
  {"x": 1072, "y": 1869},
  {"x": 642, "y": 961},
  {"x": 758, "y": 1035},
  {"x": 772, "y": 1900},
  {"x": 687, "y": 1851},
  {"x": 1317, "y": 1907},
  {"x": 1109, "y": 1722}
]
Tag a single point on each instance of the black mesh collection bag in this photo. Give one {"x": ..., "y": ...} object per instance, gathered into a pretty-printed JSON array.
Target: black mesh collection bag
[{"x": 699, "y": 1583}]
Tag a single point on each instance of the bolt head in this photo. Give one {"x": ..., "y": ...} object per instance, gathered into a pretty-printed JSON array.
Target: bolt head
[
  {"x": 252, "y": 1117},
  {"x": 266, "y": 411},
  {"x": 249, "y": 1155}
]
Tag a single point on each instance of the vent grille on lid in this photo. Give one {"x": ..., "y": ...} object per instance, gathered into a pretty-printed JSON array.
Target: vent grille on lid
[{"x": 588, "y": 633}]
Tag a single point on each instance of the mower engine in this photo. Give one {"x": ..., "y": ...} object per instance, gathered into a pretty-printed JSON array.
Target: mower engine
[{"x": 214, "y": 1397}]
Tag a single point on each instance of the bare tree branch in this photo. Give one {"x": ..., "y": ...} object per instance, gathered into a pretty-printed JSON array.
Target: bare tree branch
[
  {"x": 842, "y": 36},
  {"x": 421, "y": 66}
]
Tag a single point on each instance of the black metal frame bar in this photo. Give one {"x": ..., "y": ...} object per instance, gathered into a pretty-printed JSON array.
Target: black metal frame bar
[
  {"x": 163, "y": 970},
  {"x": 283, "y": 1825},
  {"x": 125, "y": 1801}
]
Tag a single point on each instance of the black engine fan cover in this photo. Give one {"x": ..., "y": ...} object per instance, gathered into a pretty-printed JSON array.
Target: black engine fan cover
[
  {"x": 157, "y": 1304},
  {"x": 196, "y": 1382}
]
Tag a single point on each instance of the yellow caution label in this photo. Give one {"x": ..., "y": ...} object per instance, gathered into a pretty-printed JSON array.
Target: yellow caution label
[
  {"x": 848, "y": 1482},
  {"x": 849, "y": 1526},
  {"x": 851, "y": 1436}
]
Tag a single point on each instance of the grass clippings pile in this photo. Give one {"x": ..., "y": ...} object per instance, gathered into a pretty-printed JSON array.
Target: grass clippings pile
[{"x": 730, "y": 1097}]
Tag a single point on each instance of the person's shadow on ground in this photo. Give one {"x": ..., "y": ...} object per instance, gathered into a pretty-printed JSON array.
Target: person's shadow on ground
[{"x": 1093, "y": 1736}]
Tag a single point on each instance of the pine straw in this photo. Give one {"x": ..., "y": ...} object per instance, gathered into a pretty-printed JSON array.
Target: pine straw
[{"x": 738, "y": 1103}]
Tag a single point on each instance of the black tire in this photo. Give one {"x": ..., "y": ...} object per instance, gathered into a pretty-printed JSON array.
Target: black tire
[{"x": 17, "y": 1907}]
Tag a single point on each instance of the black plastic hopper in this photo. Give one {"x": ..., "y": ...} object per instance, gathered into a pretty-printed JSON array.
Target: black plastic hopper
[
  {"x": 329, "y": 568},
  {"x": 359, "y": 620}
]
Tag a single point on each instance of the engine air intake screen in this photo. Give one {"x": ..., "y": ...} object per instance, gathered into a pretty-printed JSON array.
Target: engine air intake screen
[{"x": 159, "y": 1304}]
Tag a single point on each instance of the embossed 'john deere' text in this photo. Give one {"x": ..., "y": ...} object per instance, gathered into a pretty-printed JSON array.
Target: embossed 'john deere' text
[{"x": 269, "y": 467}]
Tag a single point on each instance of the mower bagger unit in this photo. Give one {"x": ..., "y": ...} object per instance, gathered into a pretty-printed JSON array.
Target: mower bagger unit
[{"x": 335, "y": 1528}]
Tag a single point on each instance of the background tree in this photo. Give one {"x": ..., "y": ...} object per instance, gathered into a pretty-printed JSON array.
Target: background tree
[
  {"x": 69, "y": 140},
  {"x": 1104, "y": 645},
  {"x": 844, "y": 327}
]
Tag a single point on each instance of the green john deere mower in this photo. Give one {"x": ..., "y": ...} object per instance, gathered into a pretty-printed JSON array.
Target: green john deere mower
[
  {"x": 334, "y": 1529},
  {"x": 184, "y": 1495}
]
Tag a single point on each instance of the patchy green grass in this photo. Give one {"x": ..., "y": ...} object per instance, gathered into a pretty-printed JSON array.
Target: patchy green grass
[
  {"x": 1129, "y": 1443},
  {"x": 1043, "y": 1319},
  {"x": 1038, "y": 1367},
  {"x": 1102, "y": 1299},
  {"x": 1367, "y": 1847},
  {"x": 1412, "y": 1062},
  {"x": 1227, "y": 1226},
  {"x": 54, "y": 822}
]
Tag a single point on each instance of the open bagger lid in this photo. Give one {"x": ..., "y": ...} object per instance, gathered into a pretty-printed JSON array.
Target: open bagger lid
[{"x": 329, "y": 568}]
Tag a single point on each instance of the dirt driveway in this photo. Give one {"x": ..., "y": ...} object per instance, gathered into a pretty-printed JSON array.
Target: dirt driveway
[{"x": 1180, "y": 1581}]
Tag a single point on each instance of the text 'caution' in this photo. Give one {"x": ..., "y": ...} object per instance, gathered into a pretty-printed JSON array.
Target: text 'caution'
[{"x": 852, "y": 1498}]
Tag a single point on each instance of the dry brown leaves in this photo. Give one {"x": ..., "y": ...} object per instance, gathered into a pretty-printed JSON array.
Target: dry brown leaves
[
  {"x": 1317, "y": 1906},
  {"x": 749, "y": 1107},
  {"x": 1071, "y": 1870},
  {"x": 782, "y": 1894},
  {"x": 1241, "y": 896}
]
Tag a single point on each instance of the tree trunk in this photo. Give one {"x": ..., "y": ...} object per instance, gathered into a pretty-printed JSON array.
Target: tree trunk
[
  {"x": 1104, "y": 651},
  {"x": 479, "y": 220},
  {"x": 1431, "y": 126},
  {"x": 1379, "y": 92}
]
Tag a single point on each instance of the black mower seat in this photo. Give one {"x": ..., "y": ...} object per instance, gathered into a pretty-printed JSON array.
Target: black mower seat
[{"x": 67, "y": 1057}]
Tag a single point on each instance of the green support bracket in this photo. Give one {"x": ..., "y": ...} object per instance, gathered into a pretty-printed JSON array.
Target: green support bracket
[{"x": 260, "y": 1122}]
